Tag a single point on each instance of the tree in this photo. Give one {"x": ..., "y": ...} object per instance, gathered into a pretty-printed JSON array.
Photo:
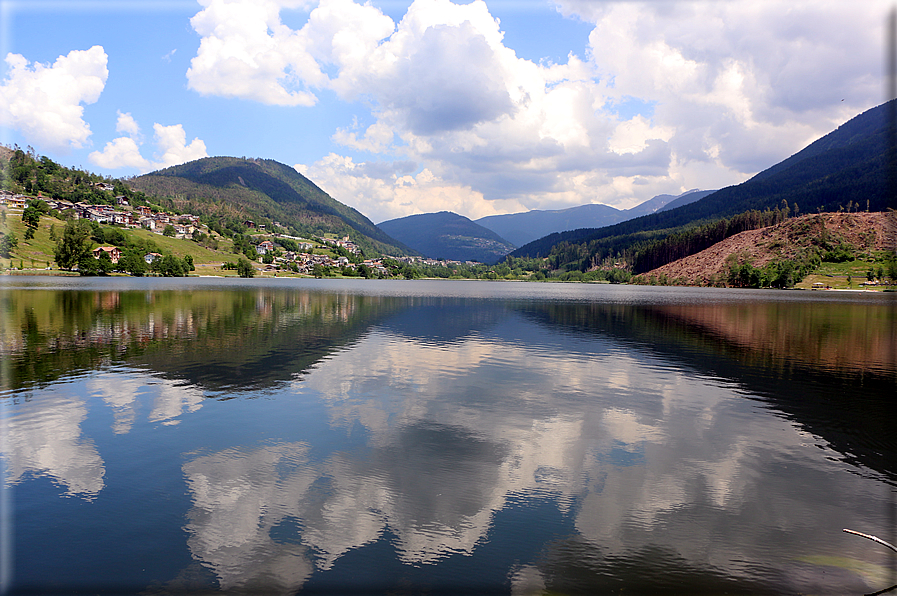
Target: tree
[
  {"x": 169, "y": 231},
  {"x": 74, "y": 244},
  {"x": 892, "y": 269},
  {"x": 7, "y": 243},
  {"x": 245, "y": 268},
  {"x": 104, "y": 263},
  {"x": 188, "y": 262},
  {"x": 172, "y": 266},
  {"x": 87, "y": 265},
  {"x": 133, "y": 263},
  {"x": 31, "y": 216}
]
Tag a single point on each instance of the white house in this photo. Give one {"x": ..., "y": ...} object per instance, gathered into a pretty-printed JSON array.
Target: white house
[{"x": 264, "y": 247}]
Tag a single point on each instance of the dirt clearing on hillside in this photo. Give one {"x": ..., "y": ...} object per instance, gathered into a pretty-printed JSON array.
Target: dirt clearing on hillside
[{"x": 864, "y": 231}]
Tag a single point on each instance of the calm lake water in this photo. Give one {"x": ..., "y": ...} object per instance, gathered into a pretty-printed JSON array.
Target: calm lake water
[{"x": 343, "y": 437}]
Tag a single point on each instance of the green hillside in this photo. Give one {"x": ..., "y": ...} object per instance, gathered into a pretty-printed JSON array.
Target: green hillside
[{"x": 228, "y": 191}]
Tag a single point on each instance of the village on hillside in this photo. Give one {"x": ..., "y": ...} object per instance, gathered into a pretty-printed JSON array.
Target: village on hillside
[{"x": 268, "y": 255}]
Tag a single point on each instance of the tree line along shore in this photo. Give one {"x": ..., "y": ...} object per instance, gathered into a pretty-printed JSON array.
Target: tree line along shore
[{"x": 824, "y": 250}]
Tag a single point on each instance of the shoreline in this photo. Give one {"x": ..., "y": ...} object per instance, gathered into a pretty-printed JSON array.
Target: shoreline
[{"x": 63, "y": 273}]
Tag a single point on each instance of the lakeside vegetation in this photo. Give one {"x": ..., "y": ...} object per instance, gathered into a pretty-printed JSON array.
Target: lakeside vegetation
[
  {"x": 825, "y": 258},
  {"x": 37, "y": 239}
]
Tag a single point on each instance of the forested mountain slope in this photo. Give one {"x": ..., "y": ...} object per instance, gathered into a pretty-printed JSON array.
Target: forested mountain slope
[
  {"x": 792, "y": 241},
  {"x": 447, "y": 235},
  {"x": 233, "y": 190}
]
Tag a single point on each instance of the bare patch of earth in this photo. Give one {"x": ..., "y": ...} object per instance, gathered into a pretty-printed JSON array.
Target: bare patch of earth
[{"x": 789, "y": 239}]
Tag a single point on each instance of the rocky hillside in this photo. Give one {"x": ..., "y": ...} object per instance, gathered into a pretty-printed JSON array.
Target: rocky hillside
[{"x": 789, "y": 240}]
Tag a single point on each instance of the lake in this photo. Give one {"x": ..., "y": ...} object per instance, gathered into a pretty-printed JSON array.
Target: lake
[{"x": 165, "y": 436}]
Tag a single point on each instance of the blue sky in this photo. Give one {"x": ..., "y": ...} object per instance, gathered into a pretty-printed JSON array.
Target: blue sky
[{"x": 400, "y": 107}]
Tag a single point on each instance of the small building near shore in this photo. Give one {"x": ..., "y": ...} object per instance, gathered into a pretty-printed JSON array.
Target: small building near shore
[{"x": 113, "y": 252}]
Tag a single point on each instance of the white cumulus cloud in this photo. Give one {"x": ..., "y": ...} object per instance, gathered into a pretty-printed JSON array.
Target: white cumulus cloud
[
  {"x": 744, "y": 84},
  {"x": 44, "y": 102},
  {"x": 246, "y": 52},
  {"x": 386, "y": 191},
  {"x": 172, "y": 143},
  {"x": 127, "y": 124},
  {"x": 668, "y": 96},
  {"x": 124, "y": 152}
]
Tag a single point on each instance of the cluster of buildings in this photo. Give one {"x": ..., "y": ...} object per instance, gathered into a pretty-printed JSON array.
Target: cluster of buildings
[
  {"x": 13, "y": 200},
  {"x": 114, "y": 253},
  {"x": 137, "y": 217},
  {"x": 304, "y": 262},
  {"x": 343, "y": 243}
]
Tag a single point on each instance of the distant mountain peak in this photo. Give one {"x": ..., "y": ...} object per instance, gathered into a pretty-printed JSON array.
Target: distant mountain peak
[{"x": 522, "y": 228}]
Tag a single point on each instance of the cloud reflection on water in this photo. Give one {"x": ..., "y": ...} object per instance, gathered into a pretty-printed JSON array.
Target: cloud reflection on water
[
  {"x": 43, "y": 438},
  {"x": 638, "y": 452}
]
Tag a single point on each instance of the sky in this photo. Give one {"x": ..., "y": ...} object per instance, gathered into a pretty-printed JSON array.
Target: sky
[{"x": 398, "y": 107}]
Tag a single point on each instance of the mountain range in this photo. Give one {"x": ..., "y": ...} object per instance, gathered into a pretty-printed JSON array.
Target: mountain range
[
  {"x": 522, "y": 228},
  {"x": 846, "y": 169},
  {"x": 232, "y": 191}
]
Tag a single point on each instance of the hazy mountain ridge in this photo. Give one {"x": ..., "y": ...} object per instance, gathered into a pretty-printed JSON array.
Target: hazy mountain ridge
[
  {"x": 683, "y": 199},
  {"x": 522, "y": 228},
  {"x": 447, "y": 235},
  {"x": 264, "y": 191}
]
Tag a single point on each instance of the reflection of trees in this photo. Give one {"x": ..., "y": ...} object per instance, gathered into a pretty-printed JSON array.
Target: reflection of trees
[
  {"x": 850, "y": 339},
  {"x": 234, "y": 339}
]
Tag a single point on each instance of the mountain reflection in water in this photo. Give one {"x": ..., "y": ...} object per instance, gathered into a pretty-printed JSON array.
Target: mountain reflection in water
[{"x": 508, "y": 438}]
